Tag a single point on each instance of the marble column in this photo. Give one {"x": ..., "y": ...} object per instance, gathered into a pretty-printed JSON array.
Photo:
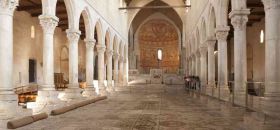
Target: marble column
[
  {"x": 109, "y": 54},
  {"x": 73, "y": 90},
  {"x": 203, "y": 69},
  {"x": 197, "y": 64},
  {"x": 47, "y": 98},
  {"x": 125, "y": 77},
  {"x": 239, "y": 19},
  {"x": 89, "y": 90},
  {"x": 121, "y": 60},
  {"x": 116, "y": 68},
  {"x": 48, "y": 24},
  {"x": 271, "y": 101},
  {"x": 8, "y": 99},
  {"x": 221, "y": 35},
  {"x": 101, "y": 69},
  {"x": 193, "y": 65},
  {"x": 211, "y": 66}
]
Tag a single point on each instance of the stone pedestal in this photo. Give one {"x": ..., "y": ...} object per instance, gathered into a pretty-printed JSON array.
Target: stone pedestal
[
  {"x": 156, "y": 76},
  {"x": 72, "y": 93},
  {"x": 89, "y": 91},
  {"x": 47, "y": 101}
]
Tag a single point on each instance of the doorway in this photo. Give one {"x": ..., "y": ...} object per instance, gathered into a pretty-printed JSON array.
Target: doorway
[{"x": 32, "y": 71}]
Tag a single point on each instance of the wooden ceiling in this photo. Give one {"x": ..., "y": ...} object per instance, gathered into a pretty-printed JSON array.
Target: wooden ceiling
[
  {"x": 34, "y": 8},
  {"x": 257, "y": 14}
]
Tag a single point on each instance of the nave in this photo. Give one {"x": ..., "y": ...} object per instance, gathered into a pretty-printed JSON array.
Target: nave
[{"x": 149, "y": 107}]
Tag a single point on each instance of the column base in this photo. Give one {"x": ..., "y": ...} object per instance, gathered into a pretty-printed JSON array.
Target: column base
[
  {"x": 110, "y": 89},
  {"x": 239, "y": 98},
  {"x": 102, "y": 90},
  {"x": 89, "y": 92},
  {"x": 225, "y": 93},
  {"x": 47, "y": 101},
  {"x": 209, "y": 91},
  {"x": 73, "y": 92},
  {"x": 216, "y": 92},
  {"x": 270, "y": 104},
  {"x": 259, "y": 121}
]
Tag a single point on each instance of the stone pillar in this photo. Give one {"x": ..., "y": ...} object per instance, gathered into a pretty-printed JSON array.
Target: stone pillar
[
  {"x": 197, "y": 64},
  {"x": 271, "y": 101},
  {"x": 203, "y": 65},
  {"x": 73, "y": 90},
  {"x": 109, "y": 54},
  {"x": 211, "y": 66},
  {"x": 48, "y": 24},
  {"x": 116, "y": 68},
  {"x": 222, "y": 34},
  {"x": 8, "y": 99},
  {"x": 121, "y": 60},
  {"x": 125, "y": 77},
  {"x": 47, "y": 98},
  {"x": 193, "y": 65},
  {"x": 239, "y": 21},
  {"x": 89, "y": 90},
  {"x": 101, "y": 69}
]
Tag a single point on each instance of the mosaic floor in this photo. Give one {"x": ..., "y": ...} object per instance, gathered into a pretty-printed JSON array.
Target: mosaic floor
[{"x": 151, "y": 107}]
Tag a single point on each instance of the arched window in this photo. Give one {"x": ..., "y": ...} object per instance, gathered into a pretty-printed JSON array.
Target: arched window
[
  {"x": 262, "y": 36},
  {"x": 32, "y": 32}
]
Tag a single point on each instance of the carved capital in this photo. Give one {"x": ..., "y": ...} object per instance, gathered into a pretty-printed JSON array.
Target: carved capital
[
  {"x": 121, "y": 59},
  {"x": 90, "y": 43},
  {"x": 116, "y": 56},
  {"x": 271, "y": 4},
  {"x": 8, "y": 6},
  {"x": 109, "y": 53},
  {"x": 48, "y": 23},
  {"x": 73, "y": 35},
  {"x": 203, "y": 50},
  {"x": 211, "y": 42},
  {"x": 101, "y": 49},
  {"x": 239, "y": 18},
  {"x": 222, "y": 32}
]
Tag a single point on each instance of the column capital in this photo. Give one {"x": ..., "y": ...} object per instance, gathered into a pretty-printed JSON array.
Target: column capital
[
  {"x": 203, "y": 50},
  {"x": 48, "y": 23},
  {"x": 116, "y": 56},
  {"x": 8, "y": 6},
  {"x": 101, "y": 49},
  {"x": 121, "y": 58},
  {"x": 222, "y": 32},
  {"x": 197, "y": 53},
  {"x": 271, "y": 4},
  {"x": 239, "y": 18},
  {"x": 109, "y": 52},
  {"x": 73, "y": 35},
  {"x": 211, "y": 42},
  {"x": 90, "y": 43}
]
